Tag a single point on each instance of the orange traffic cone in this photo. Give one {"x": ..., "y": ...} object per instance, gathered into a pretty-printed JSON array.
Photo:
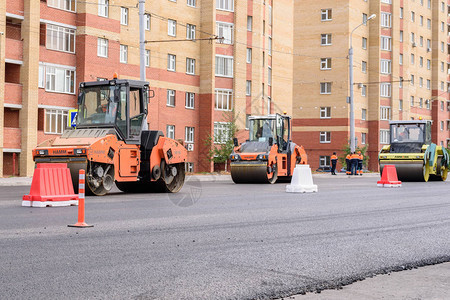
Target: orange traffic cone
[
  {"x": 81, "y": 185},
  {"x": 389, "y": 177}
]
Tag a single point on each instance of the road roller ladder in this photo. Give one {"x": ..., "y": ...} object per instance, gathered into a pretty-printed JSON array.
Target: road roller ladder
[{"x": 413, "y": 154}]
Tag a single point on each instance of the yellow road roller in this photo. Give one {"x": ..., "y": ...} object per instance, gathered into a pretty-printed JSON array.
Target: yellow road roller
[{"x": 413, "y": 154}]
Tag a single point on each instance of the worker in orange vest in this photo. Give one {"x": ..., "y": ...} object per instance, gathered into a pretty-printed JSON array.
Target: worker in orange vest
[
  {"x": 354, "y": 163},
  {"x": 360, "y": 163},
  {"x": 347, "y": 162},
  {"x": 333, "y": 163}
]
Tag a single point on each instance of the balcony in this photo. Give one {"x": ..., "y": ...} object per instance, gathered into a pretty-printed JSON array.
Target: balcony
[
  {"x": 14, "y": 49},
  {"x": 13, "y": 94},
  {"x": 12, "y": 138}
]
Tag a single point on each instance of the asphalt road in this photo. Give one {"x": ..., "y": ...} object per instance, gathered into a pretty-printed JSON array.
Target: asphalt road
[{"x": 218, "y": 240}]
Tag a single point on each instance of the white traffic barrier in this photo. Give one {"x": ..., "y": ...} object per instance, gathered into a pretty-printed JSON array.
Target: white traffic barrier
[{"x": 302, "y": 181}]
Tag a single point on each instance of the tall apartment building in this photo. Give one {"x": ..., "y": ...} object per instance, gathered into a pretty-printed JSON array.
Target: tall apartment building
[
  {"x": 400, "y": 67},
  {"x": 48, "y": 47}
]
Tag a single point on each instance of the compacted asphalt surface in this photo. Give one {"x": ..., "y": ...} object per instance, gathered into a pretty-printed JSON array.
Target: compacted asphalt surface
[{"x": 220, "y": 240}]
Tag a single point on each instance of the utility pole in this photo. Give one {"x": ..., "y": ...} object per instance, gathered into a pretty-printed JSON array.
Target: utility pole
[{"x": 142, "y": 51}]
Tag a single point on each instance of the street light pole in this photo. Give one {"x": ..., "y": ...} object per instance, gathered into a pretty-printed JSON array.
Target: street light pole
[{"x": 350, "y": 70}]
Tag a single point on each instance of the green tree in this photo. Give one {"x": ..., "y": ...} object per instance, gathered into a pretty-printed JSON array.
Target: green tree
[
  {"x": 221, "y": 144},
  {"x": 346, "y": 150}
]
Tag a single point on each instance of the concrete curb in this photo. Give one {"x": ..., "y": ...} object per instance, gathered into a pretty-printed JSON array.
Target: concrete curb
[{"x": 24, "y": 181}]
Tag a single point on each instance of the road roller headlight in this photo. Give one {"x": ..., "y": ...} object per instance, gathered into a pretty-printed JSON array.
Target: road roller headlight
[
  {"x": 235, "y": 157},
  {"x": 80, "y": 151},
  {"x": 42, "y": 152},
  {"x": 262, "y": 157}
]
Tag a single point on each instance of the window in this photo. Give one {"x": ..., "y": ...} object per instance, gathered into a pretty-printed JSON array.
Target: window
[
  {"x": 442, "y": 26},
  {"x": 224, "y": 99},
  {"x": 248, "y": 88},
  {"x": 442, "y": 86},
  {"x": 364, "y": 66},
  {"x": 385, "y": 20},
  {"x": 191, "y": 3},
  {"x": 384, "y": 136},
  {"x": 171, "y": 27},
  {"x": 386, "y": 1},
  {"x": 420, "y": 102},
  {"x": 190, "y": 31},
  {"x": 102, "y": 47},
  {"x": 412, "y": 80},
  {"x": 428, "y": 23},
  {"x": 442, "y": 66},
  {"x": 225, "y": 31},
  {"x": 270, "y": 45},
  {"x": 428, "y": 84},
  {"x": 325, "y": 112},
  {"x": 442, "y": 6},
  {"x": 428, "y": 104},
  {"x": 325, "y": 39},
  {"x": 401, "y": 36},
  {"x": 364, "y": 90},
  {"x": 364, "y": 18},
  {"x": 103, "y": 8},
  {"x": 442, "y": 105},
  {"x": 413, "y": 16},
  {"x": 400, "y": 104},
  {"x": 249, "y": 56},
  {"x": 325, "y": 137},
  {"x": 324, "y": 161},
  {"x": 363, "y": 114},
  {"x": 269, "y": 76},
  {"x": 442, "y": 125},
  {"x": 421, "y": 41},
  {"x": 62, "y": 4},
  {"x": 171, "y": 62},
  {"x": 124, "y": 16},
  {"x": 400, "y": 83},
  {"x": 326, "y": 14},
  {"x": 147, "y": 21},
  {"x": 60, "y": 38},
  {"x": 400, "y": 59},
  {"x": 170, "y": 98},
  {"x": 55, "y": 121},
  {"x": 170, "y": 131},
  {"x": 385, "y": 66},
  {"x": 421, "y": 61},
  {"x": 428, "y": 64},
  {"x": 58, "y": 79},
  {"x": 442, "y": 46},
  {"x": 190, "y": 66},
  {"x": 385, "y": 89},
  {"x": 413, "y": 38},
  {"x": 385, "y": 113},
  {"x": 225, "y": 4},
  {"x": 123, "y": 54},
  {"x": 429, "y": 4},
  {"x": 221, "y": 132},
  {"x": 249, "y": 23},
  {"x": 363, "y": 138},
  {"x": 147, "y": 58},
  {"x": 412, "y": 59},
  {"x": 189, "y": 135},
  {"x": 420, "y": 81},
  {"x": 421, "y": 21},
  {"x": 224, "y": 66},
  {"x": 364, "y": 43},
  {"x": 189, "y": 167},
  {"x": 411, "y": 101},
  {"x": 386, "y": 43},
  {"x": 190, "y": 100},
  {"x": 325, "y": 63},
  {"x": 325, "y": 87},
  {"x": 401, "y": 12}
]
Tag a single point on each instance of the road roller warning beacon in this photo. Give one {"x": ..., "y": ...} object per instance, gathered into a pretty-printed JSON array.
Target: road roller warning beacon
[
  {"x": 269, "y": 154},
  {"x": 415, "y": 157},
  {"x": 109, "y": 142}
]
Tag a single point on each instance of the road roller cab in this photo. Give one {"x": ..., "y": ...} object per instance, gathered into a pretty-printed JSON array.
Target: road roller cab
[
  {"x": 269, "y": 154},
  {"x": 415, "y": 157},
  {"x": 110, "y": 144}
]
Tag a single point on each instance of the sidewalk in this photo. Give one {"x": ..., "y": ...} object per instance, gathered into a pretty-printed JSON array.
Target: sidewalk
[{"x": 430, "y": 282}]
